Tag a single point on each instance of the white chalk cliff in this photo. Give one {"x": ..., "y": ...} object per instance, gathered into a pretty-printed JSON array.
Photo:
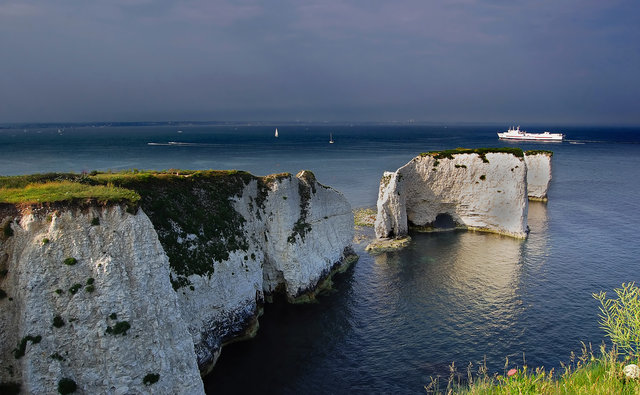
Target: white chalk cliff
[
  {"x": 293, "y": 232},
  {"x": 484, "y": 191},
  {"x": 538, "y": 173}
]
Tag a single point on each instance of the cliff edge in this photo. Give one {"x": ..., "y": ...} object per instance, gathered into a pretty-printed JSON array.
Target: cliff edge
[{"x": 138, "y": 293}]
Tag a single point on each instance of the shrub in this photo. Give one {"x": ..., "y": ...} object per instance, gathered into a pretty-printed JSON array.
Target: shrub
[
  {"x": 120, "y": 328},
  {"x": 70, "y": 261},
  {"x": 151, "y": 378},
  {"x": 45, "y": 241},
  {"x": 56, "y": 356},
  {"x": 90, "y": 288},
  {"x": 3, "y": 294},
  {"x": 3, "y": 273},
  {"x": 8, "y": 232},
  {"x": 66, "y": 386},
  {"x": 19, "y": 351},
  {"x": 620, "y": 318},
  {"x": 483, "y": 177},
  {"x": 95, "y": 221},
  {"x": 75, "y": 288},
  {"x": 59, "y": 291},
  {"x": 90, "y": 280},
  {"x": 113, "y": 316},
  {"x": 58, "y": 322}
]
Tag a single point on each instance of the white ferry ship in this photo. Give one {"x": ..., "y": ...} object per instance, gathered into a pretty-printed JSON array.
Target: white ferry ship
[{"x": 517, "y": 134}]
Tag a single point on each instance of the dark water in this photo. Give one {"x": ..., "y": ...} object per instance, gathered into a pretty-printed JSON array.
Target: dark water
[{"x": 396, "y": 319}]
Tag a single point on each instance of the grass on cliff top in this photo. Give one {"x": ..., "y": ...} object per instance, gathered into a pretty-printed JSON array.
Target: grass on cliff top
[
  {"x": 538, "y": 151},
  {"x": 66, "y": 191},
  {"x": 585, "y": 374},
  {"x": 448, "y": 154}
]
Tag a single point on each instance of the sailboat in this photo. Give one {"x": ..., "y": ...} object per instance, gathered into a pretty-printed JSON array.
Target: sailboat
[
  {"x": 276, "y": 132},
  {"x": 330, "y": 138}
]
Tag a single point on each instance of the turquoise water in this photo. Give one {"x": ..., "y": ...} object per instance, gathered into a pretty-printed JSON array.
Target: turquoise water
[{"x": 396, "y": 319}]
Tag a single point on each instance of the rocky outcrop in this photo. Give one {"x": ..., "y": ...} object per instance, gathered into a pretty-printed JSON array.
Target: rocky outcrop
[
  {"x": 159, "y": 292},
  {"x": 120, "y": 279},
  {"x": 538, "y": 174},
  {"x": 475, "y": 189}
]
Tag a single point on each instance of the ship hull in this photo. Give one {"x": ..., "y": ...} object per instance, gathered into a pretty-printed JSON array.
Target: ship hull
[{"x": 501, "y": 136}]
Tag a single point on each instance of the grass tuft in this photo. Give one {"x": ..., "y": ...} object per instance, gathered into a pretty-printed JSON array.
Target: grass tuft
[
  {"x": 67, "y": 191},
  {"x": 585, "y": 374}
]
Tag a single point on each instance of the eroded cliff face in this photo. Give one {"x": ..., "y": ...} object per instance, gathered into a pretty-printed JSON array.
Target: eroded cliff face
[
  {"x": 121, "y": 274},
  {"x": 296, "y": 232},
  {"x": 485, "y": 191},
  {"x": 538, "y": 174},
  {"x": 187, "y": 276}
]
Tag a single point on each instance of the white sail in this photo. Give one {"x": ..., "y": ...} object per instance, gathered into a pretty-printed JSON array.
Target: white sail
[
  {"x": 330, "y": 138},
  {"x": 276, "y": 132}
]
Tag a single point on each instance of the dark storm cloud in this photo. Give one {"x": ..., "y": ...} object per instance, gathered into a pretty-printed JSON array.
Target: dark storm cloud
[{"x": 464, "y": 60}]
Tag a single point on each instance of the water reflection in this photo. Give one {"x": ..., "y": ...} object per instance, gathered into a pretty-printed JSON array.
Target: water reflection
[
  {"x": 460, "y": 290},
  {"x": 398, "y": 318}
]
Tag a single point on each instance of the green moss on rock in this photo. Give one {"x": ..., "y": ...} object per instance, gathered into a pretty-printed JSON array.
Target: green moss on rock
[
  {"x": 19, "y": 351},
  {"x": 538, "y": 152},
  {"x": 481, "y": 152}
]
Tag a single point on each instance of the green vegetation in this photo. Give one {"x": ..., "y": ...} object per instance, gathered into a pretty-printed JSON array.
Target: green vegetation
[
  {"x": 58, "y": 322},
  {"x": 66, "y": 191},
  {"x": 95, "y": 221},
  {"x": 620, "y": 318},
  {"x": 585, "y": 374},
  {"x": 193, "y": 214},
  {"x": 364, "y": 216},
  {"x": 3, "y": 273},
  {"x": 19, "y": 351},
  {"x": 192, "y": 211},
  {"x": 120, "y": 328},
  {"x": 482, "y": 152},
  {"x": 7, "y": 230},
  {"x": 151, "y": 378},
  {"x": 45, "y": 241},
  {"x": 113, "y": 316},
  {"x": 70, "y": 261},
  {"x": 461, "y": 166},
  {"x": 74, "y": 288},
  {"x": 67, "y": 386},
  {"x": 306, "y": 186},
  {"x": 3, "y": 294},
  {"x": 90, "y": 287},
  {"x": 538, "y": 151},
  {"x": 56, "y": 356},
  {"x": 10, "y": 388},
  {"x": 483, "y": 177},
  {"x": 59, "y": 291}
]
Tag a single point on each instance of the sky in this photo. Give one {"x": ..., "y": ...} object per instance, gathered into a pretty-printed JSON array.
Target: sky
[{"x": 505, "y": 61}]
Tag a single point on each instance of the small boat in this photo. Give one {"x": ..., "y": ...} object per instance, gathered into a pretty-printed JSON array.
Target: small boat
[
  {"x": 276, "y": 132},
  {"x": 330, "y": 138},
  {"x": 521, "y": 135}
]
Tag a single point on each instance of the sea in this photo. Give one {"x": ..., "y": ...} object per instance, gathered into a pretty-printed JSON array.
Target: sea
[{"x": 396, "y": 321}]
